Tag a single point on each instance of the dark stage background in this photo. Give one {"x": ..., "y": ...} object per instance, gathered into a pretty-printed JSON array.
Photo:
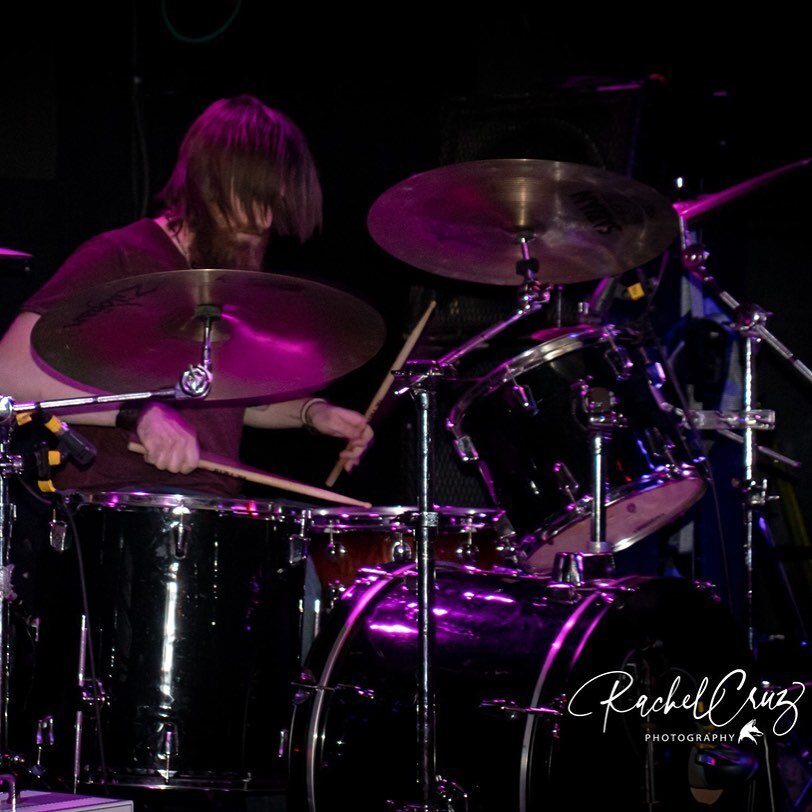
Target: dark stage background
[{"x": 95, "y": 99}]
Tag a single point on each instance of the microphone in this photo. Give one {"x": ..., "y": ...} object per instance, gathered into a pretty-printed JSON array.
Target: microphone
[{"x": 71, "y": 442}]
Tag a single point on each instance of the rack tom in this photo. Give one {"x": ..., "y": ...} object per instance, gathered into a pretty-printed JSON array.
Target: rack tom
[{"x": 523, "y": 425}]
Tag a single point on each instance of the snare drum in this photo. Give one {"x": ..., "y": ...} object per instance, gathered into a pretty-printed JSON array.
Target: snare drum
[
  {"x": 342, "y": 540},
  {"x": 522, "y": 424},
  {"x": 196, "y": 614}
]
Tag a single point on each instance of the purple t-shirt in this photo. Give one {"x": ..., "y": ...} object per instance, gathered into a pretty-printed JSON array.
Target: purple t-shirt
[{"x": 140, "y": 248}]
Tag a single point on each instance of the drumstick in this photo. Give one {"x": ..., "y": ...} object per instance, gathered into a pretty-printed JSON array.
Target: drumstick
[
  {"x": 401, "y": 359},
  {"x": 221, "y": 465}
]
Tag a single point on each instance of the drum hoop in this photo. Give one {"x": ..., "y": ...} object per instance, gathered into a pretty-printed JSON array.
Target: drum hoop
[
  {"x": 314, "y": 726},
  {"x": 561, "y": 521},
  {"x": 536, "y": 356},
  {"x": 379, "y": 517},
  {"x": 132, "y": 500},
  {"x": 600, "y": 606}
]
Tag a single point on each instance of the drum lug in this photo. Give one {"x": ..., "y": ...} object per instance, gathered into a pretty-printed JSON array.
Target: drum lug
[
  {"x": 467, "y": 552},
  {"x": 297, "y": 548},
  {"x": 45, "y": 738},
  {"x": 466, "y": 449},
  {"x": 284, "y": 742},
  {"x": 334, "y": 591},
  {"x": 181, "y": 530},
  {"x": 659, "y": 448},
  {"x": 299, "y": 541},
  {"x": 454, "y": 797},
  {"x": 617, "y": 357},
  {"x": 523, "y": 398},
  {"x": 57, "y": 535},
  {"x": 93, "y": 693},
  {"x": 568, "y": 485},
  {"x": 334, "y": 549},
  {"x": 169, "y": 743},
  {"x": 401, "y": 550},
  {"x": 582, "y": 568},
  {"x": 509, "y": 550}
]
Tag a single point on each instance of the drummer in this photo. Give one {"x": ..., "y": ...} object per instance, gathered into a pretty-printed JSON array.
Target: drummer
[{"x": 243, "y": 173}]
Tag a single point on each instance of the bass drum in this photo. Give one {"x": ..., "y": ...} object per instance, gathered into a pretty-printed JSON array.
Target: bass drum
[
  {"x": 524, "y": 425},
  {"x": 509, "y": 646}
]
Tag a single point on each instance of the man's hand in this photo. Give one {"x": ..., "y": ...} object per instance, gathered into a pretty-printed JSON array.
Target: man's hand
[
  {"x": 171, "y": 443},
  {"x": 335, "y": 421}
]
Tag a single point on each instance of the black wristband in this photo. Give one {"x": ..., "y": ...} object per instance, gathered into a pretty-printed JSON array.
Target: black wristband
[{"x": 127, "y": 418}]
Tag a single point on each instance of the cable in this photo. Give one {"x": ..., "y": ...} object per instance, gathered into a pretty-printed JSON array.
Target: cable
[{"x": 205, "y": 38}]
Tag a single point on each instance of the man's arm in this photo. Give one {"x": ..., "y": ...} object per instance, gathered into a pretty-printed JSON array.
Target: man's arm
[
  {"x": 170, "y": 441},
  {"x": 24, "y": 379},
  {"x": 323, "y": 417}
]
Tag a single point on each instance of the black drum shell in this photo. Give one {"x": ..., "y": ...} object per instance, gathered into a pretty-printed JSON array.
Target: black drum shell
[
  {"x": 524, "y": 419},
  {"x": 196, "y": 634}
]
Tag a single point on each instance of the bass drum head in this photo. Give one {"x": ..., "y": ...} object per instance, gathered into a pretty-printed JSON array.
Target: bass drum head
[{"x": 505, "y": 643}]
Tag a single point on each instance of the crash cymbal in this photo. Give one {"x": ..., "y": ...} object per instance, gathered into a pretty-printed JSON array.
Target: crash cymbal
[
  {"x": 465, "y": 221},
  {"x": 690, "y": 210},
  {"x": 277, "y": 336}
]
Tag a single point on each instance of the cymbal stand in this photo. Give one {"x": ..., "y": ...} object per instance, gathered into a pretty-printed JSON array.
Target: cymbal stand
[
  {"x": 532, "y": 298},
  {"x": 420, "y": 379},
  {"x": 750, "y": 321},
  {"x": 194, "y": 382}
]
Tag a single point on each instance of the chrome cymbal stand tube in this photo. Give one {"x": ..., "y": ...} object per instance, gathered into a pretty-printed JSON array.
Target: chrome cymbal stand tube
[
  {"x": 531, "y": 299},
  {"x": 421, "y": 384},
  {"x": 420, "y": 381},
  {"x": 750, "y": 321}
]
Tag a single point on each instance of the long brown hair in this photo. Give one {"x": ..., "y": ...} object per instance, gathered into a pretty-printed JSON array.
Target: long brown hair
[{"x": 240, "y": 149}]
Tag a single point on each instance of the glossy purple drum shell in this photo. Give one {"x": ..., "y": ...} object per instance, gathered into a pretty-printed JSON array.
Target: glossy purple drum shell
[{"x": 501, "y": 637}]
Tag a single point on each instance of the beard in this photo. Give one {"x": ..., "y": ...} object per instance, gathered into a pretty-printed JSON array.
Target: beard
[{"x": 218, "y": 248}]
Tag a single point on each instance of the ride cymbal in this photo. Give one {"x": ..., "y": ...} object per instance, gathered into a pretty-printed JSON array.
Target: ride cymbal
[{"x": 466, "y": 221}]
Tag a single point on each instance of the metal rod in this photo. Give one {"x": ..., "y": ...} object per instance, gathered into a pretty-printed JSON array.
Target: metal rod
[
  {"x": 5, "y": 582},
  {"x": 732, "y": 304},
  {"x": 459, "y": 352},
  {"x": 90, "y": 400},
  {"x": 79, "y": 721},
  {"x": 597, "y": 542},
  {"x": 531, "y": 300},
  {"x": 427, "y": 523},
  {"x": 750, "y": 486}
]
